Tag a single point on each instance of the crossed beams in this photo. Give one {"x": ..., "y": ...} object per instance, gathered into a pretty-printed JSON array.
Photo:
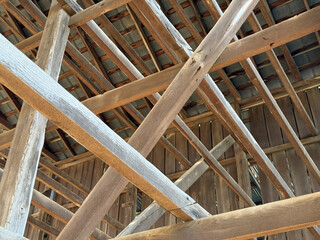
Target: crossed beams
[{"x": 29, "y": 99}]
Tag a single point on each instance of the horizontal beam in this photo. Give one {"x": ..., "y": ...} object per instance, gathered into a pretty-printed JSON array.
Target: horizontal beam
[
  {"x": 267, "y": 219},
  {"x": 95, "y": 11},
  {"x": 252, "y": 45}
]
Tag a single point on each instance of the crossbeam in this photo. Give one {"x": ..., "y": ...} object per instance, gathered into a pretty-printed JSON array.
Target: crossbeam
[
  {"x": 38, "y": 89},
  {"x": 267, "y": 219},
  {"x": 151, "y": 127}
]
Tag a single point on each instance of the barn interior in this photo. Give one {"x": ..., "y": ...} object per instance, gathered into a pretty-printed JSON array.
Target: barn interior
[{"x": 160, "y": 119}]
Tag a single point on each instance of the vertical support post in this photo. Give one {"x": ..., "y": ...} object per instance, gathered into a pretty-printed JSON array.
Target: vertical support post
[{"x": 19, "y": 175}]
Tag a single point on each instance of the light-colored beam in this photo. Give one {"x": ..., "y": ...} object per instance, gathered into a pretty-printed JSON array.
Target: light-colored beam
[
  {"x": 154, "y": 211},
  {"x": 95, "y": 11},
  {"x": 266, "y": 219},
  {"x": 39, "y": 90},
  {"x": 6, "y": 234},
  {"x": 214, "y": 95},
  {"x": 57, "y": 211},
  {"x": 174, "y": 104},
  {"x": 19, "y": 175}
]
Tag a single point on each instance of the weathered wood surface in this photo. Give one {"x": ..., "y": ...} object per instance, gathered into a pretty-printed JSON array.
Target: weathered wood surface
[
  {"x": 57, "y": 211},
  {"x": 154, "y": 211},
  {"x": 271, "y": 218},
  {"x": 8, "y": 235},
  {"x": 95, "y": 11},
  {"x": 157, "y": 127},
  {"x": 268, "y": 133},
  {"x": 19, "y": 175},
  {"x": 254, "y": 44},
  {"x": 273, "y": 106},
  {"x": 70, "y": 106}
]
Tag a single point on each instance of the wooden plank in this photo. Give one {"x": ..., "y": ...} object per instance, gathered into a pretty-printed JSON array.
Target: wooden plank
[
  {"x": 299, "y": 174},
  {"x": 170, "y": 167},
  {"x": 260, "y": 132},
  {"x": 313, "y": 149},
  {"x": 271, "y": 218},
  {"x": 19, "y": 176},
  {"x": 206, "y": 189}
]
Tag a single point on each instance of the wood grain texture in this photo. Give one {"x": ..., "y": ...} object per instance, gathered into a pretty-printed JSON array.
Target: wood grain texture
[
  {"x": 135, "y": 140},
  {"x": 19, "y": 176},
  {"x": 136, "y": 168},
  {"x": 271, "y": 218},
  {"x": 57, "y": 211},
  {"x": 6, "y": 234},
  {"x": 154, "y": 211}
]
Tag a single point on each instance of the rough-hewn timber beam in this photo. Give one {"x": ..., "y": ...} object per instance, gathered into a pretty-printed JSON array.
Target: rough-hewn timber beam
[
  {"x": 95, "y": 11},
  {"x": 214, "y": 95},
  {"x": 172, "y": 103},
  {"x": 19, "y": 175},
  {"x": 39, "y": 90},
  {"x": 58, "y": 211},
  {"x": 266, "y": 219}
]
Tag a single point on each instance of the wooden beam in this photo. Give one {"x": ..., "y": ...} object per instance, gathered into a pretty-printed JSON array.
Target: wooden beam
[
  {"x": 266, "y": 219},
  {"x": 215, "y": 96},
  {"x": 254, "y": 44},
  {"x": 71, "y": 196},
  {"x": 43, "y": 226},
  {"x": 58, "y": 211},
  {"x": 82, "y": 125},
  {"x": 158, "y": 127},
  {"x": 95, "y": 11},
  {"x": 19, "y": 175},
  {"x": 266, "y": 12},
  {"x": 194, "y": 32},
  {"x": 154, "y": 211},
  {"x": 6, "y": 234}
]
